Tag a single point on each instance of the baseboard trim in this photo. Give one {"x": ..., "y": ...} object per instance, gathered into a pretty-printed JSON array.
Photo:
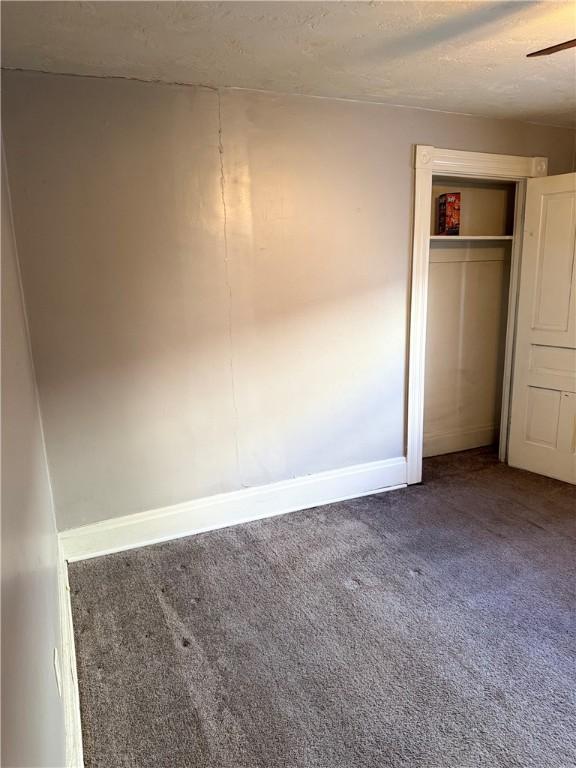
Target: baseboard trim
[
  {"x": 450, "y": 442},
  {"x": 70, "y": 691},
  {"x": 223, "y": 510}
]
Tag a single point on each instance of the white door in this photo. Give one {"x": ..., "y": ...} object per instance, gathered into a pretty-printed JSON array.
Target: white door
[{"x": 543, "y": 408}]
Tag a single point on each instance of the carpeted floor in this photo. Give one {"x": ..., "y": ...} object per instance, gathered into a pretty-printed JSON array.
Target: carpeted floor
[{"x": 432, "y": 627}]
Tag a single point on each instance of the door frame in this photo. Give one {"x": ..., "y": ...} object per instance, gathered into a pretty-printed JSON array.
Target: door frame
[{"x": 432, "y": 161}]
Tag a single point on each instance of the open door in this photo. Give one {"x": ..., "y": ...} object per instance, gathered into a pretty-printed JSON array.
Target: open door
[{"x": 543, "y": 410}]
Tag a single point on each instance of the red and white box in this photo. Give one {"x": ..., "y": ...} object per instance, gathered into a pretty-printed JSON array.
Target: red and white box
[{"x": 449, "y": 214}]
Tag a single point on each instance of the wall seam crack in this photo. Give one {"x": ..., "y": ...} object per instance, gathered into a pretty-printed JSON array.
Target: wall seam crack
[{"x": 228, "y": 286}]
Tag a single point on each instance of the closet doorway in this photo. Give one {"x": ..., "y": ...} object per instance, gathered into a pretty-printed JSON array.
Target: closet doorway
[
  {"x": 467, "y": 312},
  {"x": 464, "y": 300}
]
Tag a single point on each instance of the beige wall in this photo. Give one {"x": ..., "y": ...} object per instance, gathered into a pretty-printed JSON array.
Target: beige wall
[
  {"x": 218, "y": 282},
  {"x": 32, "y": 715}
]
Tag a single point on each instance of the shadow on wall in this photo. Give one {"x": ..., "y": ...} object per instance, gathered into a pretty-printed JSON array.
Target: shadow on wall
[{"x": 175, "y": 362}]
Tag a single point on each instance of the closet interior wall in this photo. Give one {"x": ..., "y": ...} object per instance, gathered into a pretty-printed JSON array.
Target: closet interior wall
[{"x": 468, "y": 287}]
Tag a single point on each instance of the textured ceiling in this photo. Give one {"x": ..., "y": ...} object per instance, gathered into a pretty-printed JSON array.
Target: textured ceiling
[{"x": 454, "y": 56}]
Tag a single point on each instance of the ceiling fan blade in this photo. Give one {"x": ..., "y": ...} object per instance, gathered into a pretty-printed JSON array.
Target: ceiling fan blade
[{"x": 553, "y": 49}]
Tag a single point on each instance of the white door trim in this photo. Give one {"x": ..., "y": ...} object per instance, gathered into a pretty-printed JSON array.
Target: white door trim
[{"x": 432, "y": 161}]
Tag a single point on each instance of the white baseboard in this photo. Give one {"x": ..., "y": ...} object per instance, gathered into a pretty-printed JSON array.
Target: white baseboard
[
  {"x": 463, "y": 440},
  {"x": 70, "y": 692},
  {"x": 222, "y": 510}
]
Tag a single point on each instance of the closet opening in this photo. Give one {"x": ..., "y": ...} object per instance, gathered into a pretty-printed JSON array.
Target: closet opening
[{"x": 468, "y": 333}]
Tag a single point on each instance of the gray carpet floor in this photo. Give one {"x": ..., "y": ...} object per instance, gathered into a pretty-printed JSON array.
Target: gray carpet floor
[{"x": 432, "y": 627}]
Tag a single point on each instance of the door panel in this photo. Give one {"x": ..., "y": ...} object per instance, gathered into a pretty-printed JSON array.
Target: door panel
[
  {"x": 567, "y": 423},
  {"x": 543, "y": 411},
  {"x": 555, "y": 262}
]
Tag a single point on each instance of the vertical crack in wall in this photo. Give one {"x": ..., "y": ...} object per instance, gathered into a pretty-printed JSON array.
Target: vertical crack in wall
[{"x": 228, "y": 285}]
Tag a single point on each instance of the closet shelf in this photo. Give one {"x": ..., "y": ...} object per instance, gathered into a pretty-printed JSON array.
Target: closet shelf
[{"x": 445, "y": 238}]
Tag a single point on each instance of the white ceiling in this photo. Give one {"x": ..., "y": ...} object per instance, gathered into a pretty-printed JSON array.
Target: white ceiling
[{"x": 454, "y": 56}]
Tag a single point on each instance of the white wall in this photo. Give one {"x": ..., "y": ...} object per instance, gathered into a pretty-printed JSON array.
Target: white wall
[
  {"x": 218, "y": 282},
  {"x": 32, "y": 715}
]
